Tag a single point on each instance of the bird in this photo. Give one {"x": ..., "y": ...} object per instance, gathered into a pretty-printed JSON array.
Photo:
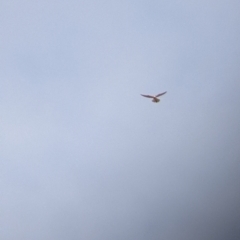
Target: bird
[{"x": 155, "y": 99}]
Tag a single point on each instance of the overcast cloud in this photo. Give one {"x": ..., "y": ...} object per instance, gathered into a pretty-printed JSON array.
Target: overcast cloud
[{"x": 84, "y": 156}]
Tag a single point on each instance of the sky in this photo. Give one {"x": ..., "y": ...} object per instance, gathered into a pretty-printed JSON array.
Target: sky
[{"x": 84, "y": 155}]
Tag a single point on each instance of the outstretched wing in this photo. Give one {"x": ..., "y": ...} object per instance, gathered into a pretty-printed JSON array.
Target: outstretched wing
[
  {"x": 148, "y": 96},
  {"x": 160, "y": 94}
]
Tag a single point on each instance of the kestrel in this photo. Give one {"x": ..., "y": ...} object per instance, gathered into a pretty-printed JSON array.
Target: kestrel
[{"x": 155, "y": 98}]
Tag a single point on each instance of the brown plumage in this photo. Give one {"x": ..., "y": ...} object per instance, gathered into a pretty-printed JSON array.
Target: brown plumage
[{"x": 154, "y": 98}]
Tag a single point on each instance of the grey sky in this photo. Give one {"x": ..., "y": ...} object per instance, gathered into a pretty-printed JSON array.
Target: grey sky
[{"x": 84, "y": 156}]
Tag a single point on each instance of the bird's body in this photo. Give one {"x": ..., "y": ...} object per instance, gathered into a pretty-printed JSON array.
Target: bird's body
[{"x": 154, "y": 98}]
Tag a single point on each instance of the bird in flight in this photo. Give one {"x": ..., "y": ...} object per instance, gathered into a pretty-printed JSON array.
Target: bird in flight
[{"x": 154, "y": 98}]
